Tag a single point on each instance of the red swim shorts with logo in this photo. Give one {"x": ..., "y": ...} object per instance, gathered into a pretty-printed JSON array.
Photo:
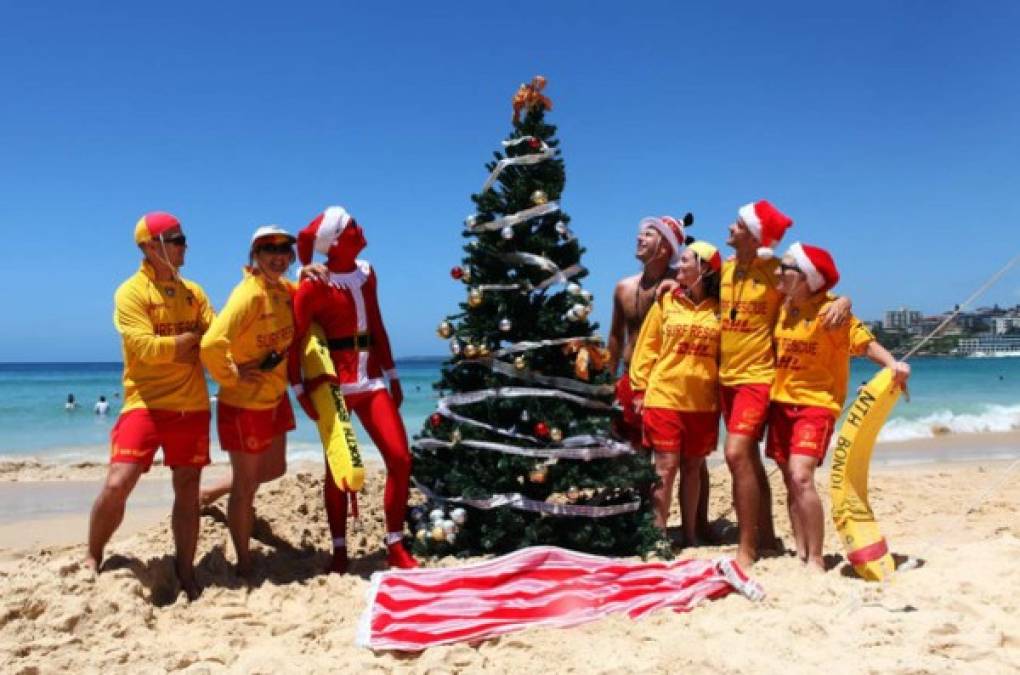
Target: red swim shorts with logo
[
  {"x": 745, "y": 408},
  {"x": 251, "y": 431},
  {"x": 138, "y": 433},
  {"x": 798, "y": 430},
  {"x": 692, "y": 434}
]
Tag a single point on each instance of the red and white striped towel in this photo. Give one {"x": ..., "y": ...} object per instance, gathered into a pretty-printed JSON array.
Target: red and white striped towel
[{"x": 410, "y": 610}]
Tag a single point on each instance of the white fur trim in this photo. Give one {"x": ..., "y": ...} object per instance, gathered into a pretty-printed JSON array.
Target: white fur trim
[
  {"x": 749, "y": 217},
  {"x": 766, "y": 252},
  {"x": 815, "y": 280},
  {"x": 334, "y": 220}
]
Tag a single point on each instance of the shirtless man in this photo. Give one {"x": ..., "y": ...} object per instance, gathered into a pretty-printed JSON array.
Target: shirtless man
[{"x": 659, "y": 245}]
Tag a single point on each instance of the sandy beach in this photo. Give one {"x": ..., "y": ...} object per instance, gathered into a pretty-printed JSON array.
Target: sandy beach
[{"x": 957, "y": 612}]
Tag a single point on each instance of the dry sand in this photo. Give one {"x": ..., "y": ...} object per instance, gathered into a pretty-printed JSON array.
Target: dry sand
[{"x": 957, "y": 613}]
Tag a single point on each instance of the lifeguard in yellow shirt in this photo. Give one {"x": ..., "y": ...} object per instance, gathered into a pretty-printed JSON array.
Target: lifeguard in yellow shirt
[
  {"x": 810, "y": 385},
  {"x": 245, "y": 351},
  {"x": 749, "y": 305},
  {"x": 160, "y": 318},
  {"x": 674, "y": 373}
]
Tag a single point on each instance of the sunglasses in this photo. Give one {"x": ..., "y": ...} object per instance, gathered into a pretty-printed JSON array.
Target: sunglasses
[
  {"x": 177, "y": 239},
  {"x": 274, "y": 248},
  {"x": 789, "y": 268}
]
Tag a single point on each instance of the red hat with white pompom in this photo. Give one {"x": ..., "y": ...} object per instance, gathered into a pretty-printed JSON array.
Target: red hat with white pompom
[
  {"x": 816, "y": 264},
  {"x": 671, "y": 230},
  {"x": 322, "y": 233},
  {"x": 767, "y": 223}
]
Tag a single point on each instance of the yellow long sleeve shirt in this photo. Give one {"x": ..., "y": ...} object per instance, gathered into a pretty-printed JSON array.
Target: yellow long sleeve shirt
[
  {"x": 257, "y": 319},
  {"x": 676, "y": 358},
  {"x": 812, "y": 362},
  {"x": 749, "y": 304},
  {"x": 148, "y": 314}
]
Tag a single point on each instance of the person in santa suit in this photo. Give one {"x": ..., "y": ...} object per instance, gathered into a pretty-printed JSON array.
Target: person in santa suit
[{"x": 347, "y": 309}]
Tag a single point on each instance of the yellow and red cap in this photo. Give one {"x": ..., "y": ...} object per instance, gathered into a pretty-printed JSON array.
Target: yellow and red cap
[
  {"x": 153, "y": 224},
  {"x": 708, "y": 253}
]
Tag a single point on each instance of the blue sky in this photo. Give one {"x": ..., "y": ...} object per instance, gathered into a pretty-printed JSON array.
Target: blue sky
[{"x": 889, "y": 131}]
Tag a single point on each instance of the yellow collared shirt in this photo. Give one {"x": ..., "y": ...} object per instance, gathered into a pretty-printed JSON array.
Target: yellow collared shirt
[
  {"x": 749, "y": 304},
  {"x": 676, "y": 358},
  {"x": 148, "y": 314},
  {"x": 812, "y": 362},
  {"x": 257, "y": 319}
]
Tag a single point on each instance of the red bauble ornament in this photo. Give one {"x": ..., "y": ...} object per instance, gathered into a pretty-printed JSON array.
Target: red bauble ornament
[
  {"x": 534, "y": 143},
  {"x": 435, "y": 419},
  {"x": 541, "y": 429},
  {"x": 457, "y": 272}
]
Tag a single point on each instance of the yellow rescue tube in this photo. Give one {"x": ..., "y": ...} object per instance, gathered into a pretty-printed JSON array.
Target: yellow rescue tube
[
  {"x": 335, "y": 429},
  {"x": 866, "y": 548}
]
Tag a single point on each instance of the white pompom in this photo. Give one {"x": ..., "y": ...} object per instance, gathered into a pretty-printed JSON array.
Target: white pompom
[{"x": 766, "y": 252}]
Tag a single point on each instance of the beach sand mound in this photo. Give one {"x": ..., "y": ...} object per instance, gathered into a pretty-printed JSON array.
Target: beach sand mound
[{"x": 958, "y": 611}]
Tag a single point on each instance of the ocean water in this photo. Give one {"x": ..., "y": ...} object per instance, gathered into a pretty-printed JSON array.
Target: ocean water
[{"x": 948, "y": 395}]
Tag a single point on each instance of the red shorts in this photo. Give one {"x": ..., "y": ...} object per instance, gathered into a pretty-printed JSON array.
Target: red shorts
[
  {"x": 745, "y": 408},
  {"x": 251, "y": 431},
  {"x": 184, "y": 437},
  {"x": 692, "y": 434},
  {"x": 799, "y": 430},
  {"x": 629, "y": 424}
]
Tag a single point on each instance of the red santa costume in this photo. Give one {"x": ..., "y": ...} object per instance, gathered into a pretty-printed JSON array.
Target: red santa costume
[{"x": 348, "y": 310}]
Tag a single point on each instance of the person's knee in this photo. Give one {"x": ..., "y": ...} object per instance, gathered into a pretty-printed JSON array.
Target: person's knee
[
  {"x": 119, "y": 484},
  {"x": 802, "y": 480}
]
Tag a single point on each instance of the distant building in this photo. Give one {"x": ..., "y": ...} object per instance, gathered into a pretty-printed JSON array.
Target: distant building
[
  {"x": 1003, "y": 324},
  {"x": 901, "y": 319},
  {"x": 988, "y": 345}
]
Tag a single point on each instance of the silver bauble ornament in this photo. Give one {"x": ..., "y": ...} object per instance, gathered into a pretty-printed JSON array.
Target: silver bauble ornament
[
  {"x": 436, "y": 515},
  {"x": 471, "y": 220},
  {"x": 449, "y": 527},
  {"x": 455, "y": 347},
  {"x": 555, "y": 435},
  {"x": 586, "y": 295},
  {"x": 475, "y": 297},
  {"x": 451, "y": 537},
  {"x": 458, "y": 515},
  {"x": 505, "y": 325},
  {"x": 573, "y": 289},
  {"x": 507, "y": 232},
  {"x": 561, "y": 228},
  {"x": 445, "y": 330}
]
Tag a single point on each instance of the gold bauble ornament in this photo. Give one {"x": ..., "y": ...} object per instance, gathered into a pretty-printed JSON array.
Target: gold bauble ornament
[
  {"x": 520, "y": 363},
  {"x": 538, "y": 474},
  {"x": 573, "y": 493},
  {"x": 421, "y": 534},
  {"x": 556, "y": 434},
  {"x": 445, "y": 330},
  {"x": 470, "y": 351},
  {"x": 539, "y": 197},
  {"x": 466, "y": 276},
  {"x": 474, "y": 297},
  {"x": 483, "y": 351},
  {"x": 455, "y": 436},
  {"x": 438, "y": 533}
]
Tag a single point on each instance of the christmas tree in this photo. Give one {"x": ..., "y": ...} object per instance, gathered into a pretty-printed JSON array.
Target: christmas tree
[{"x": 518, "y": 452}]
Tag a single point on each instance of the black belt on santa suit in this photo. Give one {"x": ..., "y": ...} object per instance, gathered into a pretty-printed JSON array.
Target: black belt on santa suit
[{"x": 360, "y": 342}]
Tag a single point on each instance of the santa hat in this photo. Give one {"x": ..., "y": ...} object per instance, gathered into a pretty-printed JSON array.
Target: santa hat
[
  {"x": 766, "y": 223},
  {"x": 816, "y": 264},
  {"x": 322, "y": 233},
  {"x": 671, "y": 230},
  {"x": 153, "y": 224}
]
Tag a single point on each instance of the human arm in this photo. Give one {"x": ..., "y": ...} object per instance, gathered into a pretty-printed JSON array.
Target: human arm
[
  {"x": 646, "y": 354},
  {"x": 617, "y": 331},
  {"x": 316, "y": 272},
  {"x": 132, "y": 321},
  {"x": 862, "y": 342},
  {"x": 241, "y": 310},
  {"x": 380, "y": 339},
  {"x": 835, "y": 313},
  {"x": 304, "y": 306}
]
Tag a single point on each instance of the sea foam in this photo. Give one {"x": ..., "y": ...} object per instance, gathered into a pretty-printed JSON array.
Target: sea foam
[{"x": 992, "y": 418}]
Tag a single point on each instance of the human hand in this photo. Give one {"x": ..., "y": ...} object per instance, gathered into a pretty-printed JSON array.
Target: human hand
[
  {"x": 836, "y": 314},
  {"x": 186, "y": 347},
  {"x": 248, "y": 371},
  {"x": 901, "y": 372},
  {"x": 666, "y": 286},
  {"x": 316, "y": 272},
  {"x": 638, "y": 404}
]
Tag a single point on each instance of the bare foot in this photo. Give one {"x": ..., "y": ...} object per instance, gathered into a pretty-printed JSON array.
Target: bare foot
[
  {"x": 815, "y": 566},
  {"x": 746, "y": 559},
  {"x": 92, "y": 565}
]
